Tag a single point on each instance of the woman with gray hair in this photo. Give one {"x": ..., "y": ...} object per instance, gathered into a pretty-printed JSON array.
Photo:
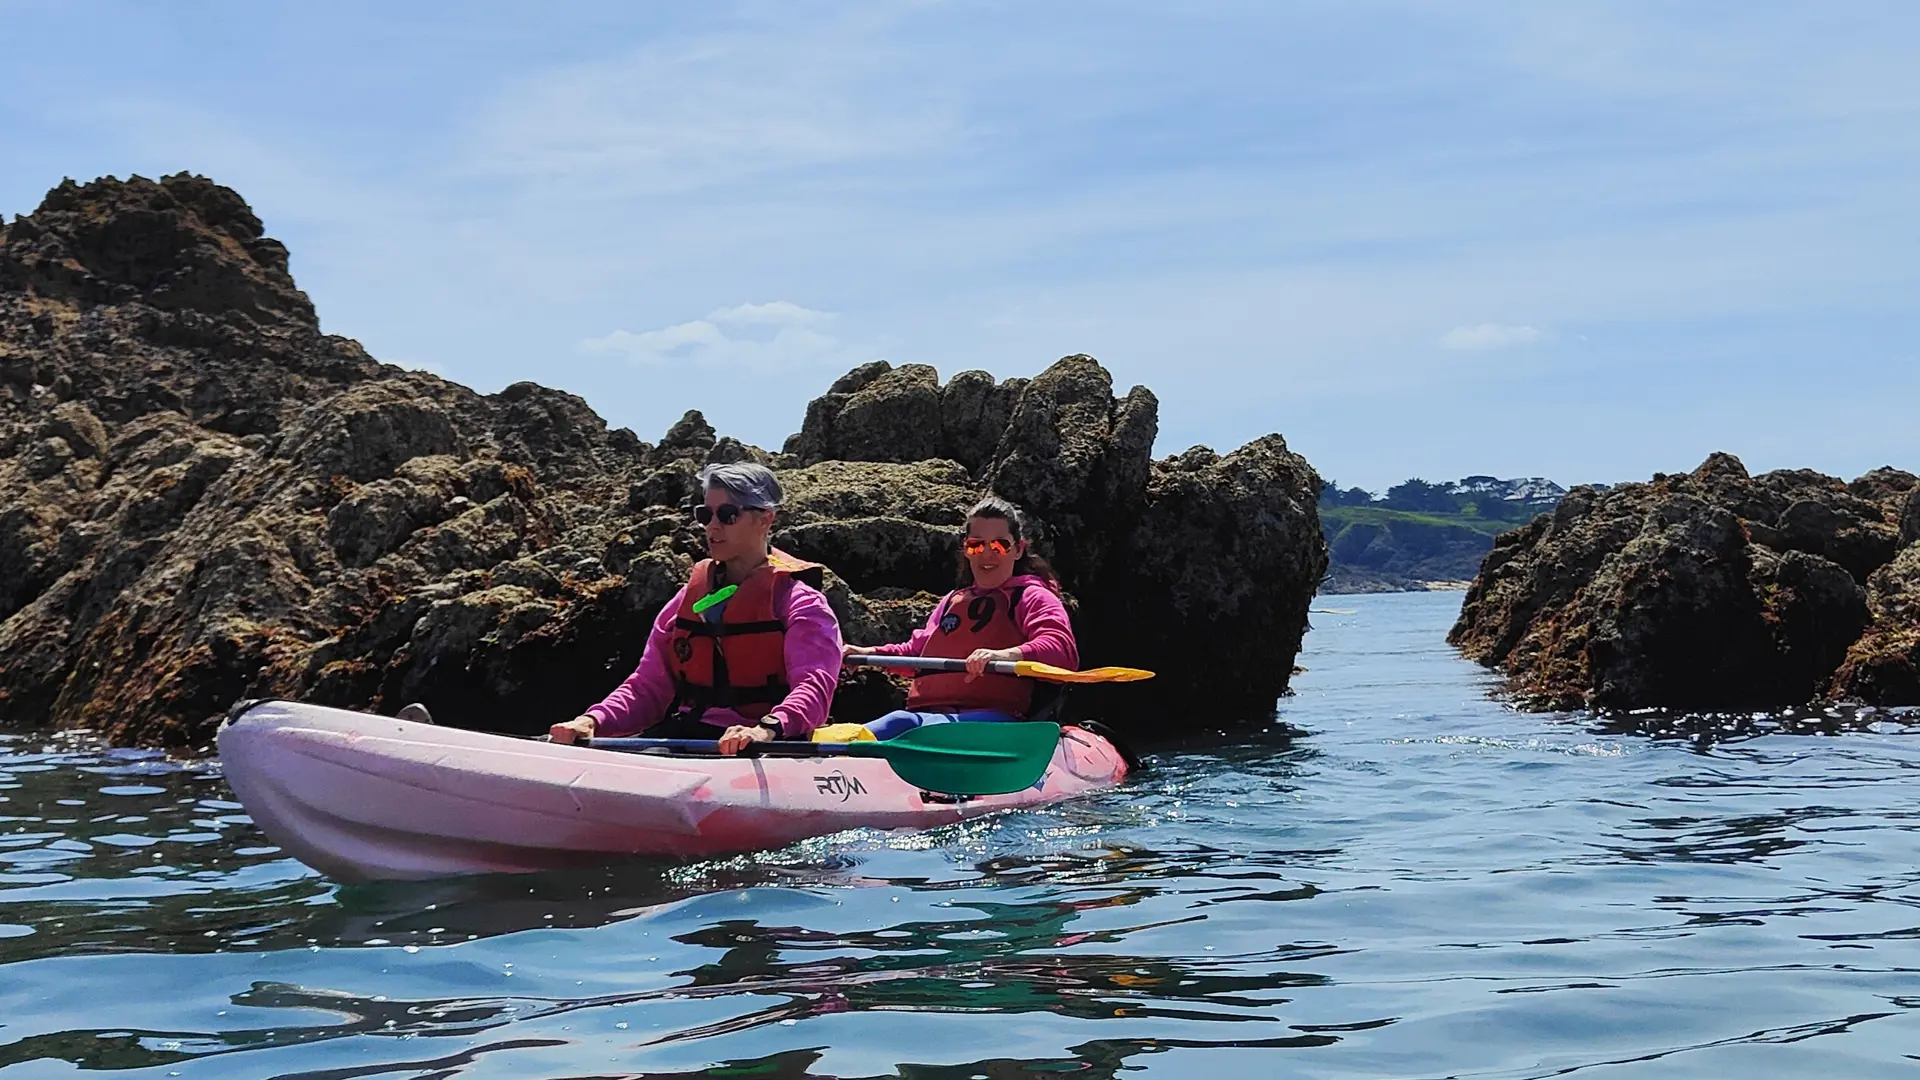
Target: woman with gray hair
[{"x": 746, "y": 651}]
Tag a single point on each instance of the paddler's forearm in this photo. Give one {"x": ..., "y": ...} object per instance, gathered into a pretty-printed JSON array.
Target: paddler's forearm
[
  {"x": 1048, "y": 630},
  {"x": 642, "y": 700},
  {"x": 812, "y": 652}
]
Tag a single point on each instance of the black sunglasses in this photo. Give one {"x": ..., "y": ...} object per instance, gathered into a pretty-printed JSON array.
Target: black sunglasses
[{"x": 727, "y": 513}]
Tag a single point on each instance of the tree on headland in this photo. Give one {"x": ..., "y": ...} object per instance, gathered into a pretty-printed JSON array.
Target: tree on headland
[
  {"x": 1331, "y": 495},
  {"x": 1488, "y": 498},
  {"x": 1419, "y": 495}
]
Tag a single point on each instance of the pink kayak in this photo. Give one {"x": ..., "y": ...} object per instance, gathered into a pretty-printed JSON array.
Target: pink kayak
[{"x": 362, "y": 797}]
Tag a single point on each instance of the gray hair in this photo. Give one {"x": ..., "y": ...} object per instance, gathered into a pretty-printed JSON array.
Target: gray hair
[{"x": 751, "y": 486}]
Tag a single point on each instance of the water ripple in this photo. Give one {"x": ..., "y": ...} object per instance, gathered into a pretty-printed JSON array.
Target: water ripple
[{"x": 1401, "y": 877}]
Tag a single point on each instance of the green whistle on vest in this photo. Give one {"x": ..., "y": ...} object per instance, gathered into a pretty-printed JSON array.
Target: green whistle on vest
[{"x": 719, "y": 596}]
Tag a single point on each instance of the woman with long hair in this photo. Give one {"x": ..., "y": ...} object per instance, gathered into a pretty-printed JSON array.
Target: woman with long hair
[{"x": 1009, "y": 606}]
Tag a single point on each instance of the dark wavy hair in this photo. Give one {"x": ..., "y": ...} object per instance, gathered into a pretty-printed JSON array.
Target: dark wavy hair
[{"x": 997, "y": 508}]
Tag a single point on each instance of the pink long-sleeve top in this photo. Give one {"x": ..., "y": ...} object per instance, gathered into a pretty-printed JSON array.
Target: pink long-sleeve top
[
  {"x": 812, "y": 649},
  {"x": 1041, "y": 615}
]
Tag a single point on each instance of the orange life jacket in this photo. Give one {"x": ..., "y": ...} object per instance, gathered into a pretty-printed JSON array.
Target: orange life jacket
[
  {"x": 737, "y": 661},
  {"x": 974, "y": 619}
]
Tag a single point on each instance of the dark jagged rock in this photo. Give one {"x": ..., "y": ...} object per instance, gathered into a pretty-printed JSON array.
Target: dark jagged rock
[
  {"x": 206, "y": 498},
  {"x": 1814, "y": 609},
  {"x": 896, "y": 417},
  {"x": 183, "y": 244},
  {"x": 1711, "y": 590},
  {"x": 1883, "y": 667},
  {"x": 1886, "y": 485},
  {"x": 728, "y": 450},
  {"x": 815, "y": 440},
  {"x": 1209, "y": 580},
  {"x": 691, "y": 437},
  {"x": 973, "y": 414},
  {"x": 1079, "y": 458},
  {"x": 877, "y": 412}
]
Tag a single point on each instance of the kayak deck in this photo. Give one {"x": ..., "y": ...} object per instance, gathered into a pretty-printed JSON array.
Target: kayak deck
[{"x": 363, "y": 797}]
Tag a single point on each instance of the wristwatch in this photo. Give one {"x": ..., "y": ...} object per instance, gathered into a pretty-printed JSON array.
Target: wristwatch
[{"x": 773, "y": 724}]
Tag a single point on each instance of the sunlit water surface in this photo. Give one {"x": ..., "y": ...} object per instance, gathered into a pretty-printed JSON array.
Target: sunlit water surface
[{"x": 1424, "y": 885}]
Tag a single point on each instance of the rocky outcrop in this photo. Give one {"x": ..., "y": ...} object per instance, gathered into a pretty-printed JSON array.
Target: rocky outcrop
[
  {"x": 1209, "y": 585},
  {"x": 1712, "y": 590},
  {"x": 878, "y": 412},
  {"x": 1194, "y": 565},
  {"x": 206, "y": 498}
]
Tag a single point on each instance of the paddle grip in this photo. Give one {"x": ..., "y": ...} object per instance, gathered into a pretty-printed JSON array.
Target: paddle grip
[
  {"x": 928, "y": 663},
  {"x": 775, "y": 748}
]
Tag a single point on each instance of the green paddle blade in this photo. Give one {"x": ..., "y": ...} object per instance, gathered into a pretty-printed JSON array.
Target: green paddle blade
[{"x": 967, "y": 758}]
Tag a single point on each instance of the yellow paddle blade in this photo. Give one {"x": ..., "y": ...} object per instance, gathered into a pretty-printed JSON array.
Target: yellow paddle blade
[{"x": 1035, "y": 670}]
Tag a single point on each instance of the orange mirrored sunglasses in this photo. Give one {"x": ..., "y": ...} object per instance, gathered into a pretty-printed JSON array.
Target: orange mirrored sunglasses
[{"x": 973, "y": 545}]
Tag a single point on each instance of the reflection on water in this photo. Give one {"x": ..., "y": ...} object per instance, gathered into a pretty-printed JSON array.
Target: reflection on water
[
  {"x": 1707, "y": 729},
  {"x": 1426, "y": 884}
]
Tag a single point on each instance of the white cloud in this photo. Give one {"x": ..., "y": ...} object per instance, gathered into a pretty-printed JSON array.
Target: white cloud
[
  {"x": 777, "y": 313},
  {"x": 688, "y": 113},
  {"x": 1487, "y": 336},
  {"x": 779, "y": 333}
]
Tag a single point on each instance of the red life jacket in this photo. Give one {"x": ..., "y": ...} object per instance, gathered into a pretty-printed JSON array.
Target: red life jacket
[
  {"x": 740, "y": 661},
  {"x": 974, "y": 619}
]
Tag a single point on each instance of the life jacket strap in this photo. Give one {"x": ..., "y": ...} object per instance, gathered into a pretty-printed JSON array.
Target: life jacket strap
[{"x": 701, "y": 628}]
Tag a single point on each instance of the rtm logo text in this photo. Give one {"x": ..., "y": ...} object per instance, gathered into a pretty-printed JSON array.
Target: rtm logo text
[{"x": 838, "y": 783}]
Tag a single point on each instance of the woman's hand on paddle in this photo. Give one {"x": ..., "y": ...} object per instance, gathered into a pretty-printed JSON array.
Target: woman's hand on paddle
[
  {"x": 978, "y": 660},
  {"x": 737, "y": 738},
  {"x": 580, "y": 727},
  {"x": 856, "y": 650}
]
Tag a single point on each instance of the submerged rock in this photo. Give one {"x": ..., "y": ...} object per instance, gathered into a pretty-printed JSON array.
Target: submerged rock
[
  {"x": 206, "y": 498},
  {"x": 1711, "y": 590}
]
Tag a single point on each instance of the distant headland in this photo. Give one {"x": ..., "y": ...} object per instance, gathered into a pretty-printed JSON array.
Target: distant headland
[{"x": 1423, "y": 535}]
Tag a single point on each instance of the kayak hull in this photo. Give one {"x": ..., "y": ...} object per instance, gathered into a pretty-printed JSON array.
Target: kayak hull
[{"x": 362, "y": 797}]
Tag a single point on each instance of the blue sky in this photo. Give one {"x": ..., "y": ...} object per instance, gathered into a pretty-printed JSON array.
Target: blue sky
[{"x": 1581, "y": 241}]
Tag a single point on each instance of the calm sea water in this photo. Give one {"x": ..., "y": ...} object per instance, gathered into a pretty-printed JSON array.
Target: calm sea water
[{"x": 1423, "y": 885}]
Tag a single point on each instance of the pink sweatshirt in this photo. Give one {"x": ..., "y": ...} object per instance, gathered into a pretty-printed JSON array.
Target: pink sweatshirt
[
  {"x": 813, "y": 669},
  {"x": 1042, "y": 617}
]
